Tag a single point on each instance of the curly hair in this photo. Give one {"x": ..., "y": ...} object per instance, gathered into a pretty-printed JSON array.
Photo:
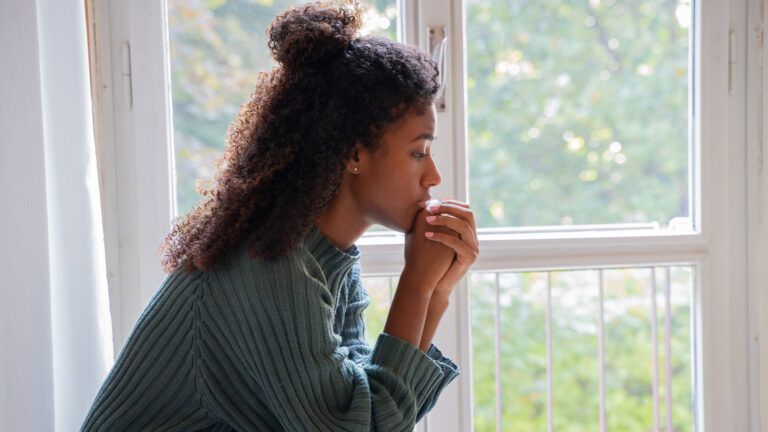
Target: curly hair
[{"x": 289, "y": 144}]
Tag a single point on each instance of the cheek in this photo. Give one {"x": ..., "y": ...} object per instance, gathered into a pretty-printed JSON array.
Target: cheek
[
  {"x": 390, "y": 201},
  {"x": 401, "y": 190},
  {"x": 395, "y": 177}
]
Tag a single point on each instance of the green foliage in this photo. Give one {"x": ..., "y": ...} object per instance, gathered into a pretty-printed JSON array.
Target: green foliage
[
  {"x": 551, "y": 86},
  {"x": 522, "y": 345}
]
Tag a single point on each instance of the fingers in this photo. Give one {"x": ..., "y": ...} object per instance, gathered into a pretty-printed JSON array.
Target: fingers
[
  {"x": 459, "y": 210},
  {"x": 454, "y": 210},
  {"x": 421, "y": 224},
  {"x": 465, "y": 255},
  {"x": 453, "y": 201},
  {"x": 441, "y": 229},
  {"x": 459, "y": 225}
]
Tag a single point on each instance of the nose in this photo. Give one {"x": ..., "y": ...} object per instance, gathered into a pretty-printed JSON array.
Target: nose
[{"x": 432, "y": 176}]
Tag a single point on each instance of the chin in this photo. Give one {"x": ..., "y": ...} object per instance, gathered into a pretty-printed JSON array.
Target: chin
[
  {"x": 399, "y": 228},
  {"x": 401, "y": 222},
  {"x": 403, "y": 226},
  {"x": 405, "y": 230},
  {"x": 408, "y": 223}
]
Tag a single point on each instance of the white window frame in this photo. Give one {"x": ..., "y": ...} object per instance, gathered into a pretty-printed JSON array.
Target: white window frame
[
  {"x": 133, "y": 122},
  {"x": 756, "y": 116}
]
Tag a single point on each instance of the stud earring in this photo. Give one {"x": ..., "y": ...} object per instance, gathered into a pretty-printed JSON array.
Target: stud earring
[{"x": 355, "y": 171}]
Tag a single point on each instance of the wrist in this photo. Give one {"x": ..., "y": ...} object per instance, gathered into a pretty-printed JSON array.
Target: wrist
[
  {"x": 438, "y": 304},
  {"x": 439, "y": 299},
  {"x": 442, "y": 290},
  {"x": 416, "y": 278}
]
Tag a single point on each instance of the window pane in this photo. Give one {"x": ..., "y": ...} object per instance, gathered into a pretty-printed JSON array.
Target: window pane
[
  {"x": 483, "y": 298},
  {"x": 380, "y": 289},
  {"x": 511, "y": 362},
  {"x": 578, "y": 112},
  {"x": 575, "y": 366},
  {"x": 217, "y": 48}
]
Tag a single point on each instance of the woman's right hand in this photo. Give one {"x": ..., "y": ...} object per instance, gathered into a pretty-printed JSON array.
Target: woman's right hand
[{"x": 426, "y": 261}]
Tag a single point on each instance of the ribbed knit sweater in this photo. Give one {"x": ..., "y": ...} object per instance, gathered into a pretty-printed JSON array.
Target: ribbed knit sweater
[{"x": 259, "y": 345}]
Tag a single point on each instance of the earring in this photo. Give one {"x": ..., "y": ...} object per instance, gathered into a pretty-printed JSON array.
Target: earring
[{"x": 355, "y": 171}]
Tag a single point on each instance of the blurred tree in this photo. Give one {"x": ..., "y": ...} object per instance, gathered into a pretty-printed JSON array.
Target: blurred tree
[
  {"x": 522, "y": 348},
  {"x": 578, "y": 111}
]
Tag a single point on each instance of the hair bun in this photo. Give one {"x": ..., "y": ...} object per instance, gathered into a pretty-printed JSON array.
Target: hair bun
[{"x": 306, "y": 34}]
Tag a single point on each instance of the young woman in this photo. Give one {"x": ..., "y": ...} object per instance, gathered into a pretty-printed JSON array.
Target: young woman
[{"x": 258, "y": 326}]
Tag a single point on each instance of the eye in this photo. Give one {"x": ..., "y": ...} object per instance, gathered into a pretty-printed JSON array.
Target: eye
[{"x": 419, "y": 155}]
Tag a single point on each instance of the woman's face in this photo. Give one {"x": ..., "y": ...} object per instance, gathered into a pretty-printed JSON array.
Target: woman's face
[{"x": 395, "y": 178}]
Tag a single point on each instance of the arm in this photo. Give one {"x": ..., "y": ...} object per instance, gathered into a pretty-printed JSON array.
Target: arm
[
  {"x": 353, "y": 326},
  {"x": 353, "y": 335},
  {"x": 437, "y": 306},
  {"x": 277, "y": 338},
  {"x": 409, "y": 309},
  {"x": 353, "y": 329}
]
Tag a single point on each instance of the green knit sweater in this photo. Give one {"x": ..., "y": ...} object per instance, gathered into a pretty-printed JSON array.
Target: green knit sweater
[{"x": 257, "y": 345}]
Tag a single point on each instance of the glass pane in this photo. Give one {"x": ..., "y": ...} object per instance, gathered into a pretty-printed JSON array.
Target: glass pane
[
  {"x": 575, "y": 366},
  {"x": 380, "y": 290},
  {"x": 523, "y": 306},
  {"x": 217, "y": 48},
  {"x": 629, "y": 380},
  {"x": 482, "y": 303},
  {"x": 518, "y": 321},
  {"x": 681, "y": 317},
  {"x": 627, "y": 310},
  {"x": 578, "y": 112}
]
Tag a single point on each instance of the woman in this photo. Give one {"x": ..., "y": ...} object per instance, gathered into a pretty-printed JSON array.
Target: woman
[{"x": 258, "y": 326}]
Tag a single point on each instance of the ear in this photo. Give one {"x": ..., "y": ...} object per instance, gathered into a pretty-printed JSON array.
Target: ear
[{"x": 356, "y": 162}]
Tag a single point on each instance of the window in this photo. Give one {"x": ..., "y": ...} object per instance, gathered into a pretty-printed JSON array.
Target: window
[{"x": 596, "y": 144}]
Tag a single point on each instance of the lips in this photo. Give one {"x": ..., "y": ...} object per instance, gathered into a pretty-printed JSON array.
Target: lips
[{"x": 423, "y": 201}]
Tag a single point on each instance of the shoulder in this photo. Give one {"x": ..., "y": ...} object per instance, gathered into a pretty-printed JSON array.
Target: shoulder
[
  {"x": 353, "y": 278},
  {"x": 240, "y": 271},
  {"x": 178, "y": 285}
]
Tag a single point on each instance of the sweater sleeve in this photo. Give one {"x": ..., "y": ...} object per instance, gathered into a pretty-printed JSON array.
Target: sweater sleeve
[
  {"x": 450, "y": 372},
  {"x": 353, "y": 328},
  {"x": 296, "y": 365},
  {"x": 353, "y": 337}
]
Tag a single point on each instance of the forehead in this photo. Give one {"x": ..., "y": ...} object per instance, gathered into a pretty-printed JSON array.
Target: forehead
[
  {"x": 416, "y": 122},
  {"x": 411, "y": 128}
]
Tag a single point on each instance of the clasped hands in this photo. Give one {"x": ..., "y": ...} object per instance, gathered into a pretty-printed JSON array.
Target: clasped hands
[{"x": 441, "y": 246}]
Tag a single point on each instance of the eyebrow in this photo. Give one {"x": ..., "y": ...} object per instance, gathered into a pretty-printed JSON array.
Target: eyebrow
[{"x": 426, "y": 136}]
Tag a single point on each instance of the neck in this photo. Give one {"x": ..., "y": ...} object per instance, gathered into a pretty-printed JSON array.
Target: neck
[{"x": 342, "y": 222}]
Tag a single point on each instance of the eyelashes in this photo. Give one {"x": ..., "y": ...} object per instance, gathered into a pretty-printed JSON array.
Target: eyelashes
[{"x": 419, "y": 155}]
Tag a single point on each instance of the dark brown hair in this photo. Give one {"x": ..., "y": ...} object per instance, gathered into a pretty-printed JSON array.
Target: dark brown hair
[{"x": 289, "y": 144}]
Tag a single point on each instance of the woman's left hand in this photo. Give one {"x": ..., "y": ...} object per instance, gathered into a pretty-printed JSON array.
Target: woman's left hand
[{"x": 457, "y": 216}]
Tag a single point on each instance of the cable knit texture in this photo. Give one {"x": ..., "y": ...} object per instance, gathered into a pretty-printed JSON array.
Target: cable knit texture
[{"x": 255, "y": 345}]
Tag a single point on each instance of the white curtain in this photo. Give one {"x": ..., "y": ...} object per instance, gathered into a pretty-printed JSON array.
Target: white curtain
[{"x": 55, "y": 328}]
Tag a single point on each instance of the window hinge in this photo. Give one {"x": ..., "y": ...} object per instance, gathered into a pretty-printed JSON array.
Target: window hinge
[
  {"x": 731, "y": 59},
  {"x": 438, "y": 40},
  {"x": 125, "y": 74}
]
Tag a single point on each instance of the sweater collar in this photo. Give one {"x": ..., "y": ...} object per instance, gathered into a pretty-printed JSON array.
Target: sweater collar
[{"x": 333, "y": 261}]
